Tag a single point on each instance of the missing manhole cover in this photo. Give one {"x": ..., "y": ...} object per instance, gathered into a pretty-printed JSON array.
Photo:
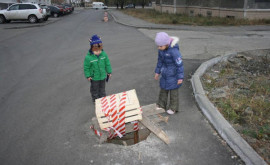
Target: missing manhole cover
[{"x": 128, "y": 139}]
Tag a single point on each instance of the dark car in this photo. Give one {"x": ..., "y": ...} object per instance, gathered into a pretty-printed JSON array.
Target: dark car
[
  {"x": 63, "y": 10},
  {"x": 55, "y": 11},
  {"x": 69, "y": 7},
  {"x": 129, "y": 6}
]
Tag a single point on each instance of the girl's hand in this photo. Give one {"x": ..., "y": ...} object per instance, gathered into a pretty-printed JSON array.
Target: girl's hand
[
  {"x": 89, "y": 78},
  {"x": 179, "y": 81},
  {"x": 156, "y": 76},
  {"x": 110, "y": 75}
]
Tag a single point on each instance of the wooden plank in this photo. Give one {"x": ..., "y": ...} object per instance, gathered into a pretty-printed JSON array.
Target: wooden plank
[
  {"x": 130, "y": 112},
  {"x": 132, "y": 100},
  {"x": 130, "y": 119},
  {"x": 151, "y": 110},
  {"x": 99, "y": 112},
  {"x": 155, "y": 119},
  {"x": 132, "y": 108},
  {"x": 127, "y": 115},
  {"x": 136, "y": 137},
  {"x": 155, "y": 129},
  {"x": 147, "y": 110}
]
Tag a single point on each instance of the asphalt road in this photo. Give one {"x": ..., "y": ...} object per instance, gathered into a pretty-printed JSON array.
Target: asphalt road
[{"x": 45, "y": 107}]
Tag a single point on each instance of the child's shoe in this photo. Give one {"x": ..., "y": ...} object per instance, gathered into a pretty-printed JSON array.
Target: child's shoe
[{"x": 170, "y": 112}]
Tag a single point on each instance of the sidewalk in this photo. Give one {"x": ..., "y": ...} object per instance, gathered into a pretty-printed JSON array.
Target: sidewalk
[{"x": 235, "y": 141}]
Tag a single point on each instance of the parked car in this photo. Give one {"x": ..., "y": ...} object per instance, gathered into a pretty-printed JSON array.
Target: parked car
[
  {"x": 129, "y": 6},
  {"x": 99, "y": 5},
  {"x": 70, "y": 7},
  {"x": 63, "y": 10},
  {"x": 47, "y": 10},
  {"x": 55, "y": 11},
  {"x": 22, "y": 11}
]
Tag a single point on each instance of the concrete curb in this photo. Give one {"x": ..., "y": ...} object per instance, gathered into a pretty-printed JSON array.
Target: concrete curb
[
  {"x": 144, "y": 27},
  {"x": 117, "y": 21},
  {"x": 227, "y": 132}
]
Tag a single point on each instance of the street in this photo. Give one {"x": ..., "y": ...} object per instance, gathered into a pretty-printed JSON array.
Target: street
[{"x": 46, "y": 107}]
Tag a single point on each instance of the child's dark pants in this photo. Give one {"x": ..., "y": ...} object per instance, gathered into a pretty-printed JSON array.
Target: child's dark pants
[
  {"x": 97, "y": 89},
  {"x": 163, "y": 99}
]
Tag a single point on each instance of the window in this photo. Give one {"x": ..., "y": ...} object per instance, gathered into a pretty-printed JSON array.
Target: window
[
  {"x": 14, "y": 7},
  {"x": 27, "y": 6},
  {"x": 191, "y": 12},
  {"x": 209, "y": 13},
  {"x": 33, "y": 7}
]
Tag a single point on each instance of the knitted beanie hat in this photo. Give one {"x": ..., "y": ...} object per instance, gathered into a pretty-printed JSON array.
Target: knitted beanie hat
[
  {"x": 162, "y": 39},
  {"x": 95, "y": 43}
]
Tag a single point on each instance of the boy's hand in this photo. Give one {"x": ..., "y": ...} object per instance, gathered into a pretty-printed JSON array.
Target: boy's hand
[
  {"x": 89, "y": 78},
  {"x": 110, "y": 75},
  {"x": 179, "y": 81},
  {"x": 156, "y": 76}
]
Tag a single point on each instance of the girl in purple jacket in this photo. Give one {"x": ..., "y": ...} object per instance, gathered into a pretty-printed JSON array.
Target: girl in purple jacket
[{"x": 170, "y": 70}]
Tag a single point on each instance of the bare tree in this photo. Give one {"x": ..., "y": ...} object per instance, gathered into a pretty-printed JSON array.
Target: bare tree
[
  {"x": 134, "y": 3},
  {"x": 122, "y": 3},
  {"x": 57, "y": 1},
  {"x": 144, "y": 2}
]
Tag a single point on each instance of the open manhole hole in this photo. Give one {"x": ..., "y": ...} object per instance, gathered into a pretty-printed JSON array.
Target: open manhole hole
[{"x": 130, "y": 138}]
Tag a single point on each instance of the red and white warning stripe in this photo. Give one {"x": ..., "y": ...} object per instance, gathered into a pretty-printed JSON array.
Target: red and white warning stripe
[
  {"x": 136, "y": 123},
  {"x": 105, "y": 106},
  {"x": 113, "y": 111},
  {"x": 121, "y": 114},
  {"x": 96, "y": 131},
  {"x": 116, "y": 115}
]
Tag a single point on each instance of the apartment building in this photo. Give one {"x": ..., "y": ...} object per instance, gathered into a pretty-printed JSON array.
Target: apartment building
[{"x": 249, "y": 9}]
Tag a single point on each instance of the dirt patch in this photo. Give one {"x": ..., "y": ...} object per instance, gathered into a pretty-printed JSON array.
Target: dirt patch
[{"x": 240, "y": 89}]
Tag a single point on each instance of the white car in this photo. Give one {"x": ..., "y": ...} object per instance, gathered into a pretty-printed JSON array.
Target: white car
[
  {"x": 23, "y": 11},
  {"x": 99, "y": 5}
]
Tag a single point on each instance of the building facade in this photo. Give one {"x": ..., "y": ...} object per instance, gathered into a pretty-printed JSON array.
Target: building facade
[
  {"x": 249, "y": 9},
  {"x": 47, "y": 2}
]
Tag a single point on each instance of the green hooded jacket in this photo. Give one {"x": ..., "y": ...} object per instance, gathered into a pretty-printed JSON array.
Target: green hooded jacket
[{"x": 97, "y": 67}]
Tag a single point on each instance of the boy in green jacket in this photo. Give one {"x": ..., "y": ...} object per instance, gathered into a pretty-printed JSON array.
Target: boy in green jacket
[{"x": 97, "y": 67}]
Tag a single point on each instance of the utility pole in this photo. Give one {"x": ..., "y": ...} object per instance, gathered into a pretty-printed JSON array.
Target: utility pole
[
  {"x": 219, "y": 7},
  {"x": 174, "y": 4},
  {"x": 160, "y": 5},
  {"x": 245, "y": 8}
]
